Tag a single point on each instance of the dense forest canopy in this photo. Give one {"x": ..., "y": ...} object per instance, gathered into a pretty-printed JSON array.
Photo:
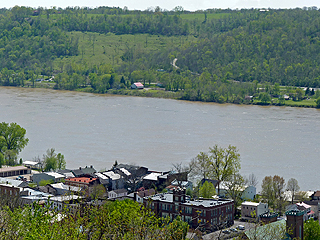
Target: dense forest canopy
[{"x": 222, "y": 54}]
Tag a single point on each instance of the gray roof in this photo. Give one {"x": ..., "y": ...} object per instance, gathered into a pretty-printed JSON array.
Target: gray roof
[
  {"x": 88, "y": 170},
  {"x": 13, "y": 182},
  {"x": 77, "y": 172},
  {"x": 168, "y": 197},
  {"x": 118, "y": 191}
]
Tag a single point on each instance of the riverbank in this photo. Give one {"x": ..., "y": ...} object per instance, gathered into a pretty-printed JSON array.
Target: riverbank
[{"x": 179, "y": 95}]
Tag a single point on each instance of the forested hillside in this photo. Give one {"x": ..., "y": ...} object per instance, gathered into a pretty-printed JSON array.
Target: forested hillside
[{"x": 222, "y": 55}]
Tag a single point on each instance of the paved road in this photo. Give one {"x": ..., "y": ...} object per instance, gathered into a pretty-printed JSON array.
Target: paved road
[{"x": 217, "y": 234}]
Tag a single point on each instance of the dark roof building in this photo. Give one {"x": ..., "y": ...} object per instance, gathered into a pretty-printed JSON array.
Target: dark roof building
[{"x": 209, "y": 213}]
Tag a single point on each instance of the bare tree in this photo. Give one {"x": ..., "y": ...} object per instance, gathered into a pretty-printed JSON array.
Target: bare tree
[
  {"x": 235, "y": 188},
  {"x": 252, "y": 180},
  {"x": 181, "y": 172},
  {"x": 199, "y": 166},
  {"x": 293, "y": 187}
]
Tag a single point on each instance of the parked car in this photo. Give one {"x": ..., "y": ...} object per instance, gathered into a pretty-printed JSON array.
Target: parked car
[
  {"x": 226, "y": 231},
  {"x": 241, "y": 227},
  {"x": 233, "y": 230}
]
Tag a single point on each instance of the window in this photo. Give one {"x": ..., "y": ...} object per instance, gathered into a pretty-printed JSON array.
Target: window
[
  {"x": 176, "y": 207},
  {"x": 188, "y": 210},
  {"x": 188, "y": 219}
]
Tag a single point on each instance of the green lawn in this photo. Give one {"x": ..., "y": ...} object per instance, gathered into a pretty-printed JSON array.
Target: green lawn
[
  {"x": 303, "y": 103},
  {"x": 96, "y": 48}
]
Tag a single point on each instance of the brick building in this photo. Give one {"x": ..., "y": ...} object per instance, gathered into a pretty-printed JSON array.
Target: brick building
[
  {"x": 209, "y": 213},
  {"x": 86, "y": 183}
]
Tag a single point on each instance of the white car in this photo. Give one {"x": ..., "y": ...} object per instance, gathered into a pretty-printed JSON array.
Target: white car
[{"x": 241, "y": 227}]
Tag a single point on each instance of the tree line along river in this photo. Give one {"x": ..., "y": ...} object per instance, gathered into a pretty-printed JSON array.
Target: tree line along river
[{"x": 93, "y": 129}]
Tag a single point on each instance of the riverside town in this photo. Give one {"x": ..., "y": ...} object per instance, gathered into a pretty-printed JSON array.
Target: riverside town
[{"x": 161, "y": 161}]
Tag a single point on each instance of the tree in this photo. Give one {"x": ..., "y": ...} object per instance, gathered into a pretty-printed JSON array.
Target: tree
[
  {"x": 53, "y": 161},
  {"x": 299, "y": 93},
  {"x": 180, "y": 172},
  {"x": 272, "y": 192},
  {"x": 60, "y": 161},
  {"x": 224, "y": 163},
  {"x": 267, "y": 190},
  {"x": 252, "y": 180},
  {"x": 265, "y": 98},
  {"x": 293, "y": 187},
  {"x": 199, "y": 166},
  {"x": 1, "y": 160},
  {"x": 318, "y": 101},
  {"x": 311, "y": 230},
  {"x": 207, "y": 190},
  {"x": 12, "y": 140},
  {"x": 279, "y": 187},
  {"x": 235, "y": 188}
]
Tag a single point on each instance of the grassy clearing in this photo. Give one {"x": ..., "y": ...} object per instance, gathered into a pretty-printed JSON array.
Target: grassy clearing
[
  {"x": 303, "y": 103},
  {"x": 96, "y": 48}
]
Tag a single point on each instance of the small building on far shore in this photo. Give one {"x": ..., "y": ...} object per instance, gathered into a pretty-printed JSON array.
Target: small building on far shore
[{"x": 137, "y": 85}]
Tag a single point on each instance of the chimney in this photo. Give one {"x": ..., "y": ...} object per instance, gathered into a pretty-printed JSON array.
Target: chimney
[{"x": 294, "y": 224}]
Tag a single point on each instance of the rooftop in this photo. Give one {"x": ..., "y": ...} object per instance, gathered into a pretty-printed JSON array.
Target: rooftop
[
  {"x": 303, "y": 206},
  {"x": 138, "y": 84},
  {"x": 82, "y": 179},
  {"x": 64, "y": 198},
  {"x": 267, "y": 232},
  {"x": 16, "y": 168},
  {"x": 31, "y": 163},
  {"x": 100, "y": 175},
  {"x": 118, "y": 191},
  {"x": 152, "y": 176},
  {"x": 15, "y": 183},
  {"x": 112, "y": 175},
  {"x": 168, "y": 197},
  {"x": 66, "y": 187},
  {"x": 55, "y": 175},
  {"x": 125, "y": 171},
  {"x": 250, "y": 204}
]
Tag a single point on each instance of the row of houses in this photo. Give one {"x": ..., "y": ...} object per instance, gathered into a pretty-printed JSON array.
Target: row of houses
[{"x": 70, "y": 188}]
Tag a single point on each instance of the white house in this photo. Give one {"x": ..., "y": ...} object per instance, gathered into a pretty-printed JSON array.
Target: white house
[
  {"x": 249, "y": 193},
  {"x": 117, "y": 193},
  {"x": 252, "y": 210}
]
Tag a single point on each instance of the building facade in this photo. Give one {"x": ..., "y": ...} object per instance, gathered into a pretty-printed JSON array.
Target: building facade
[
  {"x": 208, "y": 213},
  {"x": 253, "y": 210}
]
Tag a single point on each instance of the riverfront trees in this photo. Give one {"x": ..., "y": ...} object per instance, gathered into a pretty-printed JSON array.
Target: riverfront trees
[
  {"x": 219, "y": 163},
  {"x": 273, "y": 192},
  {"x": 293, "y": 187},
  {"x": 53, "y": 161},
  {"x": 12, "y": 141}
]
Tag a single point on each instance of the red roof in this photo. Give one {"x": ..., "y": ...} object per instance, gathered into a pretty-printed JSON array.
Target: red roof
[
  {"x": 82, "y": 179},
  {"x": 311, "y": 212},
  {"x": 138, "y": 84}
]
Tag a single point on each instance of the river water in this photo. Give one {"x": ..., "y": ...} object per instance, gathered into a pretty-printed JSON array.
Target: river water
[{"x": 92, "y": 129}]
